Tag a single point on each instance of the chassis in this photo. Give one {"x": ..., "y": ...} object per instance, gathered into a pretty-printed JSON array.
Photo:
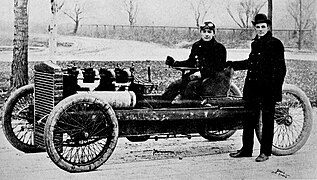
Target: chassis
[{"x": 79, "y": 128}]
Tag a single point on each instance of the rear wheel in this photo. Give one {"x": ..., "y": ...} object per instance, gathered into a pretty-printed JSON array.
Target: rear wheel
[
  {"x": 293, "y": 121},
  {"x": 222, "y": 134},
  {"x": 81, "y": 133},
  {"x": 18, "y": 119}
]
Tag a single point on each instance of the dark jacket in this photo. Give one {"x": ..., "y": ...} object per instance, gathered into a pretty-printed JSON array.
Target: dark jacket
[
  {"x": 266, "y": 70},
  {"x": 208, "y": 56}
]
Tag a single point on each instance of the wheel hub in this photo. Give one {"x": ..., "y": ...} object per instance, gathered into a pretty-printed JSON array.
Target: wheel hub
[
  {"x": 86, "y": 134},
  {"x": 286, "y": 120}
]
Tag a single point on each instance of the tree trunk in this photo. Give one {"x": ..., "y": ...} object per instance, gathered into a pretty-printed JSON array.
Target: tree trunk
[
  {"x": 19, "y": 67},
  {"x": 300, "y": 33},
  {"x": 270, "y": 12},
  {"x": 76, "y": 27}
]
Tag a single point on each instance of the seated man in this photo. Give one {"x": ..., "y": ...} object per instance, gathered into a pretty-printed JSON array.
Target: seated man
[
  {"x": 209, "y": 57},
  {"x": 216, "y": 86}
]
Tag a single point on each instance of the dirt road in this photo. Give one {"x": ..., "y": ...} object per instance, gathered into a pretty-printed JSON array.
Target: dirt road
[
  {"x": 84, "y": 48},
  {"x": 175, "y": 158}
]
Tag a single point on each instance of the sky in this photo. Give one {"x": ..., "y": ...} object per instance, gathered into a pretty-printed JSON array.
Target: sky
[{"x": 151, "y": 12}]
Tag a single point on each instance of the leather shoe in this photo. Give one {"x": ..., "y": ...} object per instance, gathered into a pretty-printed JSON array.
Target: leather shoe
[
  {"x": 262, "y": 157},
  {"x": 240, "y": 153}
]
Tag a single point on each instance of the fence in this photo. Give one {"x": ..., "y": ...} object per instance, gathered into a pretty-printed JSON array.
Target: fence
[{"x": 171, "y": 36}]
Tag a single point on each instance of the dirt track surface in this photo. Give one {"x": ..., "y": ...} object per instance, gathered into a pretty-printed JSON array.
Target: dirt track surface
[{"x": 175, "y": 158}]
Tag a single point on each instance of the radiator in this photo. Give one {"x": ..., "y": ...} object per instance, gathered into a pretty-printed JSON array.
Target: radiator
[{"x": 48, "y": 81}]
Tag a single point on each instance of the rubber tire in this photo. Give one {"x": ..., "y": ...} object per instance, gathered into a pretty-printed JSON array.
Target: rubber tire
[
  {"x": 224, "y": 134},
  {"x": 7, "y": 118},
  {"x": 106, "y": 151},
  {"x": 307, "y": 123}
]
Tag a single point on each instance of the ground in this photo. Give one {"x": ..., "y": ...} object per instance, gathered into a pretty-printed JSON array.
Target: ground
[{"x": 175, "y": 158}]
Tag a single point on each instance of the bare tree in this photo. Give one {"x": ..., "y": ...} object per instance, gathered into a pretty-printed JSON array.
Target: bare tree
[
  {"x": 247, "y": 9},
  {"x": 131, "y": 7},
  {"x": 19, "y": 67},
  {"x": 303, "y": 13},
  {"x": 200, "y": 9},
  {"x": 76, "y": 13},
  {"x": 52, "y": 28}
]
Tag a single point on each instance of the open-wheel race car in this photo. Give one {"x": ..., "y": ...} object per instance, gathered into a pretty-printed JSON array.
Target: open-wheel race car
[{"x": 77, "y": 115}]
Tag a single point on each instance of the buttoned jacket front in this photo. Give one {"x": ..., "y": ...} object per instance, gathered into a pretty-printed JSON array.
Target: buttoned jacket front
[
  {"x": 208, "y": 56},
  {"x": 266, "y": 70}
]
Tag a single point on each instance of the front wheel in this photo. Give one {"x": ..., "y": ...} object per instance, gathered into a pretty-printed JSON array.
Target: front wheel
[
  {"x": 18, "y": 119},
  {"x": 81, "y": 133},
  {"x": 293, "y": 121},
  {"x": 222, "y": 134}
]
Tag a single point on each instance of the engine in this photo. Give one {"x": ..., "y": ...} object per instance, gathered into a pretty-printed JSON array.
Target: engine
[
  {"x": 53, "y": 84},
  {"x": 89, "y": 79}
]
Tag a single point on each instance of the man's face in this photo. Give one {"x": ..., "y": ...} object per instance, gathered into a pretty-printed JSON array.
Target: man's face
[
  {"x": 261, "y": 29},
  {"x": 207, "y": 34}
]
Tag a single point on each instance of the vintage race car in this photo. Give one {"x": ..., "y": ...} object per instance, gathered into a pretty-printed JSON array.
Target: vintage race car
[{"x": 77, "y": 115}]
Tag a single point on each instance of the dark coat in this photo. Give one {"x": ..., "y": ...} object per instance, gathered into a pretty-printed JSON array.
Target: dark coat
[
  {"x": 208, "y": 56},
  {"x": 266, "y": 70}
]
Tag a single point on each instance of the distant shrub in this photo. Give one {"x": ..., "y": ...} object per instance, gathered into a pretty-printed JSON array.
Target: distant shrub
[{"x": 174, "y": 36}]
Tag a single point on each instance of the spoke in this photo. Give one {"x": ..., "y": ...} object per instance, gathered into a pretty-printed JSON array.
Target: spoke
[
  {"x": 93, "y": 131},
  {"x": 87, "y": 118},
  {"x": 76, "y": 155},
  {"x": 15, "y": 125},
  {"x": 83, "y": 154},
  {"x": 93, "y": 121},
  {"x": 279, "y": 135},
  {"x": 83, "y": 110},
  {"x": 69, "y": 124},
  {"x": 83, "y": 157},
  {"x": 70, "y": 117},
  {"x": 105, "y": 129},
  {"x": 291, "y": 121},
  {"x": 91, "y": 153},
  {"x": 86, "y": 153},
  {"x": 69, "y": 154},
  {"x": 23, "y": 136},
  {"x": 297, "y": 130},
  {"x": 59, "y": 129},
  {"x": 72, "y": 154}
]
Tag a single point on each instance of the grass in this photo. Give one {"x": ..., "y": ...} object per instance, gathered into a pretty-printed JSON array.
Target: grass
[{"x": 300, "y": 73}]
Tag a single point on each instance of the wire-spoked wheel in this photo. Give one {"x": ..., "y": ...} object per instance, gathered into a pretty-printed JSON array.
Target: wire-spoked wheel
[
  {"x": 293, "y": 121},
  {"x": 18, "y": 119},
  {"x": 81, "y": 133}
]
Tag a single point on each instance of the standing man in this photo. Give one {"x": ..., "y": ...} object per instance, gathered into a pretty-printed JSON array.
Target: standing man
[
  {"x": 263, "y": 86},
  {"x": 207, "y": 55}
]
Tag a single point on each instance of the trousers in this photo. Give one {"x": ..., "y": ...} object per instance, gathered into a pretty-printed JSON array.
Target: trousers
[
  {"x": 249, "y": 126},
  {"x": 175, "y": 88}
]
